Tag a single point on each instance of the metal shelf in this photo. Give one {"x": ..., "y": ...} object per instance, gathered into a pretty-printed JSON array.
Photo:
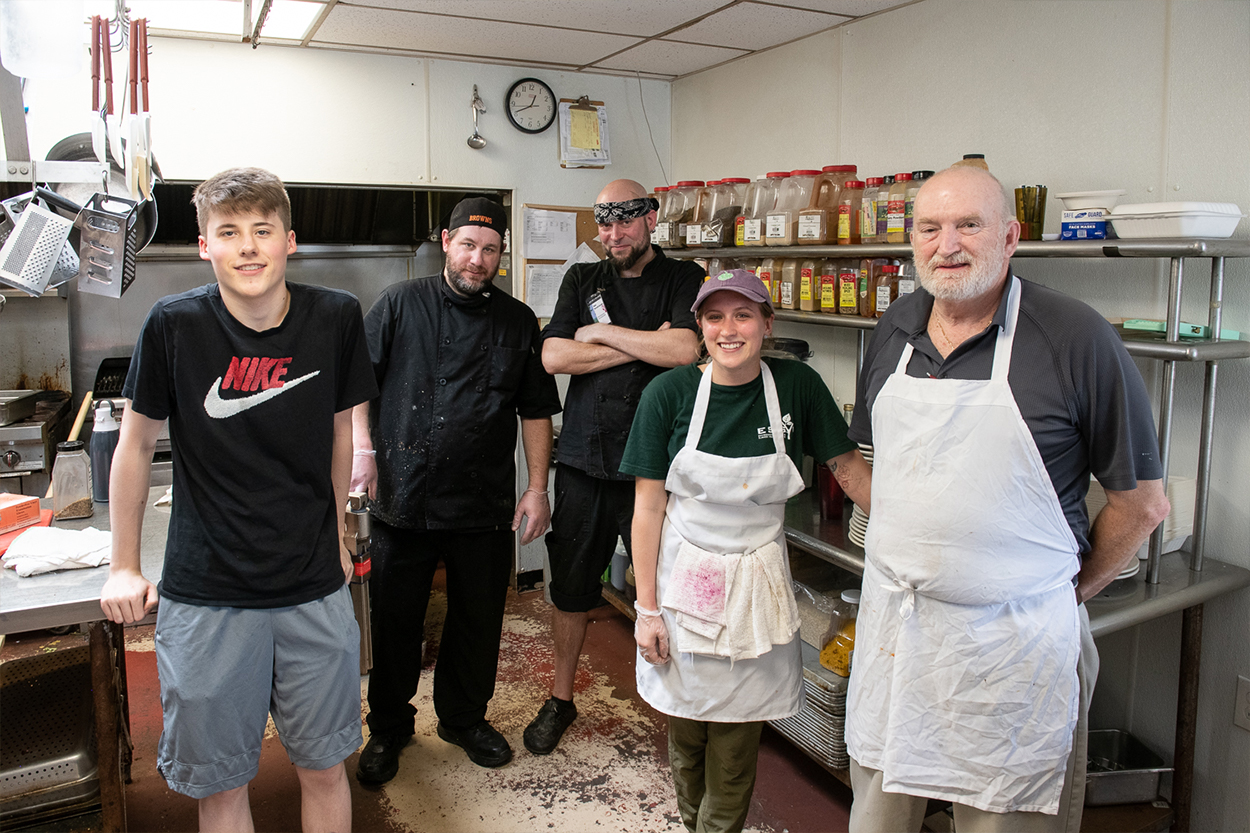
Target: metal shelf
[
  {"x": 1144, "y": 247},
  {"x": 1145, "y": 346}
]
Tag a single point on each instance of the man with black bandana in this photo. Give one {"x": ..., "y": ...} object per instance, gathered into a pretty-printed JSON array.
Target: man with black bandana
[
  {"x": 456, "y": 363},
  {"x": 617, "y": 325}
]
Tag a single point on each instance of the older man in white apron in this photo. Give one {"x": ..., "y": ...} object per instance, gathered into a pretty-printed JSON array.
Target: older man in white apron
[{"x": 989, "y": 401}]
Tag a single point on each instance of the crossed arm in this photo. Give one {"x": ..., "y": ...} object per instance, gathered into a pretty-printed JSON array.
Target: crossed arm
[{"x": 600, "y": 346}]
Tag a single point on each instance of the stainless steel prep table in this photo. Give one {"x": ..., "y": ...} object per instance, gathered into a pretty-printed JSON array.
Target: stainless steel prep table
[{"x": 72, "y": 597}]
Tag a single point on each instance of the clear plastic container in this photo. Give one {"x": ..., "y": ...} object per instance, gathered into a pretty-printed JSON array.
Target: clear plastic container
[
  {"x": 972, "y": 160},
  {"x": 701, "y": 200},
  {"x": 809, "y": 284},
  {"x": 868, "y": 228},
  {"x": 726, "y": 206},
  {"x": 789, "y": 283},
  {"x": 829, "y": 286},
  {"x": 917, "y": 179},
  {"x": 680, "y": 209},
  {"x": 837, "y": 650},
  {"x": 883, "y": 208},
  {"x": 848, "y": 288},
  {"x": 770, "y": 273},
  {"x": 748, "y": 203},
  {"x": 885, "y": 290},
  {"x": 906, "y": 278},
  {"x": 895, "y": 231},
  {"x": 71, "y": 482},
  {"x": 782, "y": 224},
  {"x": 850, "y": 212},
  {"x": 763, "y": 201},
  {"x": 661, "y": 228}
]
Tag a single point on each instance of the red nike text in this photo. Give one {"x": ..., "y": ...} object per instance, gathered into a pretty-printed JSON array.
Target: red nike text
[{"x": 248, "y": 374}]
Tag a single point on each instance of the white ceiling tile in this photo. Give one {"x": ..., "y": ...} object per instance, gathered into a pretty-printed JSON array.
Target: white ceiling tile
[
  {"x": 464, "y": 37},
  {"x": 624, "y": 17},
  {"x": 850, "y": 8},
  {"x": 755, "y": 26},
  {"x": 669, "y": 58}
]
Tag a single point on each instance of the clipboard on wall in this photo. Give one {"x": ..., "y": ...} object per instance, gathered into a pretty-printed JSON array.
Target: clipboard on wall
[{"x": 583, "y": 133}]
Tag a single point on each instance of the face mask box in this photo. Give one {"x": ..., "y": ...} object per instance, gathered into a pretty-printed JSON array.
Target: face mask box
[{"x": 1084, "y": 224}]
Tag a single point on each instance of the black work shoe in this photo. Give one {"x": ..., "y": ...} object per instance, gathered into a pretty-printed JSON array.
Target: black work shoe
[
  {"x": 486, "y": 747},
  {"x": 545, "y": 731},
  {"x": 379, "y": 761}
]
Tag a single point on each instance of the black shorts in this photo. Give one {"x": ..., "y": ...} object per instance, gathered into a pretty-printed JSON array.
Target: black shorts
[{"x": 589, "y": 514}]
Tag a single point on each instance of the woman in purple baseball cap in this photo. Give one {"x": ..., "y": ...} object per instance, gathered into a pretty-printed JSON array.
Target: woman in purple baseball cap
[{"x": 716, "y": 450}]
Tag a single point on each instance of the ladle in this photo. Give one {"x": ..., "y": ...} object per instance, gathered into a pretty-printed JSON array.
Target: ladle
[{"x": 477, "y": 141}]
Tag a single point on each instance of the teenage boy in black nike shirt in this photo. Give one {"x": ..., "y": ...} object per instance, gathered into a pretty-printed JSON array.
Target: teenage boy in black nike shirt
[{"x": 257, "y": 378}]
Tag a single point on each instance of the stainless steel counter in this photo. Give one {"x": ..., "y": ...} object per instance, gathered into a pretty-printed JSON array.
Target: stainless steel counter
[
  {"x": 1120, "y": 605},
  {"x": 71, "y": 597}
]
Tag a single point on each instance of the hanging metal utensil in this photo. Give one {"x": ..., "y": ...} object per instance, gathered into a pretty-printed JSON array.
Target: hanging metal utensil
[
  {"x": 109, "y": 228},
  {"x": 29, "y": 255},
  {"x": 477, "y": 141}
]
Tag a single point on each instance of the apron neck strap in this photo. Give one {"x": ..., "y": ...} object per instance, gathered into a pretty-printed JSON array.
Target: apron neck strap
[
  {"x": 704, "y": 395},
  {"x": 1007, "y": 335}
]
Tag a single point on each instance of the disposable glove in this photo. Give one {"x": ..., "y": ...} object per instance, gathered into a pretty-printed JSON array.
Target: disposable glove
[{"x": 651, "y": 634}]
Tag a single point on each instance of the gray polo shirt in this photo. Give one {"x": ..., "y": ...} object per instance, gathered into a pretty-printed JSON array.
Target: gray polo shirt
[{"x": 1078, "y": 390}]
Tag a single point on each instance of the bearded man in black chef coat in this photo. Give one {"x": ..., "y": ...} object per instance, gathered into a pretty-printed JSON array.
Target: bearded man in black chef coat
[
  {"x": 989, "y": 400},
  {"x": 456, "y": 361}
]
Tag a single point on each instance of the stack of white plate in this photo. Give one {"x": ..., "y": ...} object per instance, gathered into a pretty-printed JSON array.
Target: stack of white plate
[
  {"x": 1131, "y": 570},
  {"x": 858, "y": 525}
]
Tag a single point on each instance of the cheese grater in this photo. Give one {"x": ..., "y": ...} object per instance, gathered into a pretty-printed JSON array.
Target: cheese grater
[
  {"x": 109, "y": 241},
  {"x": 29, "y": 255}
]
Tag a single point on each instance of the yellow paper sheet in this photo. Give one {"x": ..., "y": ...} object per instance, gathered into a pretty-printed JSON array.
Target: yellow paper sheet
[{"x": 584, "y": 132}]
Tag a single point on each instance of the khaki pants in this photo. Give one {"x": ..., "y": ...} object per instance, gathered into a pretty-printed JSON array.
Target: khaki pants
[
  {"x": 713, "y": 771},
  {"x": 874, "y": 811}
]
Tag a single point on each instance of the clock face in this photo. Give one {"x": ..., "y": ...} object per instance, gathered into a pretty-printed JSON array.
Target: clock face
[{"x": 531, "y": 105}]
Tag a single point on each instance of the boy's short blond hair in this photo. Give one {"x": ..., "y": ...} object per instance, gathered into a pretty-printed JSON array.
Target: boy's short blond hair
[{"x": 239, "y": 191}]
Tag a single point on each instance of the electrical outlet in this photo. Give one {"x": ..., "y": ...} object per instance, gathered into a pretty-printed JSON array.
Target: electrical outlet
[{"x": 1241, "y": 712}]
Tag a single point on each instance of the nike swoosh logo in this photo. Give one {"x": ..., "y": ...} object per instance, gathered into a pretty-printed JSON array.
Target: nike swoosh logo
[{"x": 219, "y": 408}]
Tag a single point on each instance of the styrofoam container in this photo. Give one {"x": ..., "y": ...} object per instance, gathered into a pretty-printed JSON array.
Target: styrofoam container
[
  {"x": 1077, "y": 200},
  {"x": 1176, "y": 219}
]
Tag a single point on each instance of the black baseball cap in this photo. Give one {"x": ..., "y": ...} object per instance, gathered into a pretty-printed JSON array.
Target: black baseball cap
[{"x": 479, "y": 211}]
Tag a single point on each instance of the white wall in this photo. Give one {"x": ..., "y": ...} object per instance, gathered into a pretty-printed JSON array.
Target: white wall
[
  {"x": 1148, "y": 95},
  {"x": 340, "y": 117}
]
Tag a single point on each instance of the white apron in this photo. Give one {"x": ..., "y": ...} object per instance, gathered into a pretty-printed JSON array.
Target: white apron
[
  {"x": 734, "y": 507},
  {"x": 964, "y": 685}
]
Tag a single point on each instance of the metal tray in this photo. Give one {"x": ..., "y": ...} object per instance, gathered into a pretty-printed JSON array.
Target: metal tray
[
  {"x": 47, "y": 737},
  {"x": 16, "y": 405},
  {"x": 1121, "y": 770}
]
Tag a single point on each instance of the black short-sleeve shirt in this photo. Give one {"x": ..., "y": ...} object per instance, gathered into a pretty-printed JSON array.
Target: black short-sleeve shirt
[
  {"x": 1077, "y": 388},
  {"x": 599, "y": 407},
  {"x": 251, "y": 423},
  {"x": 454, "y": 375}
]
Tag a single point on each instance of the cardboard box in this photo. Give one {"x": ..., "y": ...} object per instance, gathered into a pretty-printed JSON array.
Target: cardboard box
[
  {"x": 1084, "y": 224},
  {"x": 17, "y": 511}
]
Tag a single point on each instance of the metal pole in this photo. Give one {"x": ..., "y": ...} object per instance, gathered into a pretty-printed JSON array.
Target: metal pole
[
  {"x": 1207, "y": 427},
  {"x": 1166, "y": 401},
  {"x": 1186, "y": 718}
]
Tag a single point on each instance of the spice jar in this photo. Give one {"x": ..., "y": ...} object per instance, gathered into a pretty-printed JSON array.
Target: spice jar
[
  {"x": 886, "y": 290},
  {"x": 895, "y": 231},
  {"x": 770, "y": 273},
  {"x": 763, "y": 200},
  {"x": 848, "y": 288},
  {"x": 726, "y": 206},
  {"x": 659, "y": 236},
  {"x": 699, "y": 202},
  {"x": 71, "y": 482},
  {"x": 838, "y": 645},
  {"x": 883, "y": 208},
  {"x": 972, "y": 160},
  {"x": 789, "y": 283},
  {"x": 809, "y": 284},
  {"x": 850, "y": 212},
  {"x": 782, "y": 226},
  {"x": 917, "y": 179},
  {"x": 868, "y": 229}
]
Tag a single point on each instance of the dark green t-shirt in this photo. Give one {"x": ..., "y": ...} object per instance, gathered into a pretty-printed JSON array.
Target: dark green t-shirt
[{"x": 737, "y": 419}]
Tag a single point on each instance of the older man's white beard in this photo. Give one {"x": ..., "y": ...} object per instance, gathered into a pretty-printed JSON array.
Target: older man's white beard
[{"x": 980, "y": 279}]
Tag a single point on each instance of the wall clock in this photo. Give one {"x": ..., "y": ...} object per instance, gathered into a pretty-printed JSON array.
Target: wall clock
[{"x": 531, "y": 105}]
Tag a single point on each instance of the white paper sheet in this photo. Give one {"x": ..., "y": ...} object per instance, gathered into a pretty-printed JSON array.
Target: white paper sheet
[
  {"x": 549, "y": 235},
  {"x": 542, "y": 286}
]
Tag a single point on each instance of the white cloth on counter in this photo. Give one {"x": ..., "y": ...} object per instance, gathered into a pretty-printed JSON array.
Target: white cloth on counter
[
  {"x": 166, "y": 499},
  {"x": 43, "y": 549}
]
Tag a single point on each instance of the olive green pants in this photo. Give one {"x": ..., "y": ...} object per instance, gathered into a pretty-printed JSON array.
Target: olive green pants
[{"x": 713, "y": 772}]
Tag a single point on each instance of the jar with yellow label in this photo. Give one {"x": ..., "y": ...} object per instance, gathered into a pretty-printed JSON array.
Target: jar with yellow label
[
  {"x": 809, "y": 284},
  {"x": 838, "y": 644}
]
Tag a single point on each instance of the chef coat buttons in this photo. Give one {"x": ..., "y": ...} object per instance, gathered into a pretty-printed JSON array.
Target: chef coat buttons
[
  {"x": 601, "y": 398},
  {"x": 479, "y": 388},
  {"x": 447, "y": 341},
  {"x": 439, "y": 426},
  {"x": 442, "y": 381},
  {"x": 483, "y": 348},
  {"x": 447, "y": 303}
]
